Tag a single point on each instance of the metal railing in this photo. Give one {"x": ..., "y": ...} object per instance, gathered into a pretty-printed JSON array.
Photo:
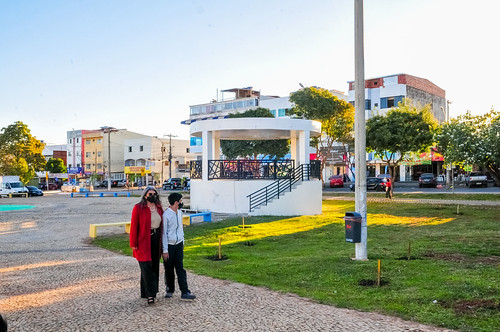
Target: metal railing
[
  {"x": 276, "y": 189},
  {"x": 243, "y": 169}
]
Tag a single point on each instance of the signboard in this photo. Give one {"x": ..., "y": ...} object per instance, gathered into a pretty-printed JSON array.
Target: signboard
[
  {"x": 74, "y": 170},
  {"x": 137, "y": 170}
]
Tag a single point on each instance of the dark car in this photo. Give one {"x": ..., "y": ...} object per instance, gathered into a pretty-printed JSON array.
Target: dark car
[
  {"x": 427, "y": 179},
  {"x": 172, "y": 183},
  {"x": 52, "y": 186},
  {"x": 34, "y": 191},
  {"x": 377, "y": 184}
]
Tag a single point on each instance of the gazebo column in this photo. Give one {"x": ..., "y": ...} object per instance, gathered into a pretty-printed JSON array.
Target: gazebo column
[
  {"x": 294, "y": 146},
  {"x": 303, "y": 155},
  {"x": 216, "y": 145},
  {"x": 207, "y": 153}
]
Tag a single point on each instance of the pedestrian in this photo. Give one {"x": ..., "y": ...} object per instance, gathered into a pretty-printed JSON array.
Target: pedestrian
[
  {"x": 388, "y": 187},
  {"x": 173, "y": 248},
  {"x": 145, "y": 240}
]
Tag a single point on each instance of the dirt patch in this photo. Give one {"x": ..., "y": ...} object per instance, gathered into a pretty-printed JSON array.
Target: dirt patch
[
  {"x": 471, "y": 306},
  {"x": 372, "y": 283},
  {"x": 216, "y": 258},
  {"x": 405, "y": 258}
]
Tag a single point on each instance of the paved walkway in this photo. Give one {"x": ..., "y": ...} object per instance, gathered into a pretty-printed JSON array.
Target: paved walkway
[{"x": 51, "y": 280}]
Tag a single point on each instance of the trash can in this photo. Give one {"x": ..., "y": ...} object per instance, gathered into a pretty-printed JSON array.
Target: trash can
[{"x": 352, "y": 227}]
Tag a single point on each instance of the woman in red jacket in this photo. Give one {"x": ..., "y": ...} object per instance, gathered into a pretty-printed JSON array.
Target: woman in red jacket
[{"x": 145, "y": 240}]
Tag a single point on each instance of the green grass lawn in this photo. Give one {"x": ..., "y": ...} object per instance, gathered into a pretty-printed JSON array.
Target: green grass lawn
[{"x": 451, "y": 280}]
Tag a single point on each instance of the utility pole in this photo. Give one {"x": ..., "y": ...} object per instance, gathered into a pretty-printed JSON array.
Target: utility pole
[
  {"x": 360, "y": 130},
  {"x": 108, "y": 130},
  {"x": 170, "y": 154}
]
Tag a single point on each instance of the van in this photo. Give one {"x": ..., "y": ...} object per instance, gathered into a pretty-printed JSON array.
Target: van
[{"x": 12, "y": 187}]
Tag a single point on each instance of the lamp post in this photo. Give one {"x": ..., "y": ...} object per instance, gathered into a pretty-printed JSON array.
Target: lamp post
[
  {"x": 360, "y": 129},
  {"x": 449, "y": 170}
]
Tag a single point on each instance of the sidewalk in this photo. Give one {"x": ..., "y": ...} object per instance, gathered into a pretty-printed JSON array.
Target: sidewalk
[{"x": 52, "y": 280}]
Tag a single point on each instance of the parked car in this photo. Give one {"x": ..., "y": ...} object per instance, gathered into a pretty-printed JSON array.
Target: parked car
[
  {"x": 34, "y": 191},
  {"x": 476, "y": 179},
  {"x": 119, "y": 183},
  {"x": 427, "y": 179},
  {"x": 336, "y": 181},
  {"x": 372, "y": 183},
  {"x": 172, "y": 183},
  {"x": 384, "y": 176},
  {"x": 52, "y": 186}
]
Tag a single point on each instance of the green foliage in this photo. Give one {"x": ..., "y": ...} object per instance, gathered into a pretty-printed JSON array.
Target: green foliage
[
  {"x": 20, "y": 152},
  {"x": 55, "y": 165},
  {"x": 336, "y": 117},
  {"x": 472, "y": 139},
  {"x": 233, "y": 149},
  {"x": 402, "y": 130}
]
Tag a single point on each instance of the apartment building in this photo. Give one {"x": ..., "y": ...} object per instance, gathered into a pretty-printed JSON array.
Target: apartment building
[{"x": 383, "y": 93}]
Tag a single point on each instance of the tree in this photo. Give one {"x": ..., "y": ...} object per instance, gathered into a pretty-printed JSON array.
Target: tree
[
  {"x": 402, "y": 130},
  {"x": 472, "y": 140},
  {"x": 20, "y": 152},
  {"x": 55, "y": 165},
  {"x": 336, "y": 117},
  {"x": 232, "y": 149}
]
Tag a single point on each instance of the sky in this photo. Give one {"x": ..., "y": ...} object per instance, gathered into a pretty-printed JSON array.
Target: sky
[{"x": 139, "y": 65}]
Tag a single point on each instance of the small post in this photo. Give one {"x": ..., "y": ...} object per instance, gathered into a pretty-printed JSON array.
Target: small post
[
  {"x": 243, "y": 222},
  {"x": 220, "y": 256},
  {"x": 378, "y": 274},
  {"x": 409, "y": 249},
  {"x": 458, "y": 209}
]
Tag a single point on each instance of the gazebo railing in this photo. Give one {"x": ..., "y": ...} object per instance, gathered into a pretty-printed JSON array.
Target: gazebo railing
[
  {"x": 278, "y": 187},
  {"x": 243, "y": 169}
]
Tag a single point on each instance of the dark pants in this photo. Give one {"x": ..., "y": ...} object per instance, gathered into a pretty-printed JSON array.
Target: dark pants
[
  {"x": 150, "y": 271},
  {"x": 175, "y": 261},
  {"x": 388, "y": 193}
]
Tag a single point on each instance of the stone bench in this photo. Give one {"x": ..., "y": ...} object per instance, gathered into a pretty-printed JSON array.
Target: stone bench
[
  {"x": 100, "y": 194},
  {"x": 93, "y": 227}
]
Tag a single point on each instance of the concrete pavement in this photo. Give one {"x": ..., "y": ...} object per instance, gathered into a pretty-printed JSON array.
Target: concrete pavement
[{"x": 52, "y": 280}]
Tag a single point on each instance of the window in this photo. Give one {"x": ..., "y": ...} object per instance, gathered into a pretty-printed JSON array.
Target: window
[
  {"x": 187, "y": 150},
  {"x": 273, "y": 112},
  {"x": 69, "y": 165},
  {"x": 368, "y": 104},
  {"x": 87, "y": 166},
  {"x": 77, "y": 165},
  {"x": 87, "y": 154},
  {"x": 141, "y": 148},
  {"x": 98, "y": 153},
  {"x": 69, "y": 154},
  {"x": 99, "y": 141},
  {"x": 87, "y": 141},
  {"x": 99, "y": 166},
  {"x": 129, "y": 149},
  {"x": 390, "y": 102},
  {"x": 281, "y": 112},
  {"x": 77, "y": 140},
  {"x": 70, "y": 141}
]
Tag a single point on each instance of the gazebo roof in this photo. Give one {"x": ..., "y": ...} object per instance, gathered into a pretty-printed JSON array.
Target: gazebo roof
[{"x": 256, "y": 128}]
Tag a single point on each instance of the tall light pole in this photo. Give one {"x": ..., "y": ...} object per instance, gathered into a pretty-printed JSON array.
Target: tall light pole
[{"x": 360, "y": 129}]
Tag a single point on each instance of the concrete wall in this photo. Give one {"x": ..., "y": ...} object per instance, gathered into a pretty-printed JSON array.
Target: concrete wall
[{"x": 227, "y": 196}]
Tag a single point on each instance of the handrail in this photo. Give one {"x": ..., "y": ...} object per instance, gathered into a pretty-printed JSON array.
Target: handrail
[{"x": 278, "y": 187}]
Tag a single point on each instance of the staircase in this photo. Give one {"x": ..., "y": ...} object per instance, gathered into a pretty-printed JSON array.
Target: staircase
[{"x": 278, "y": 188}]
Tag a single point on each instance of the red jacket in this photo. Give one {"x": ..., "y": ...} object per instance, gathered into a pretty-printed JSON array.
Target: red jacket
[{"x": 140, "y": 231}]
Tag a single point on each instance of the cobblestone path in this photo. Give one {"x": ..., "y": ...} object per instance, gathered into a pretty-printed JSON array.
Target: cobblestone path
[{"x": 51, "y": 280}]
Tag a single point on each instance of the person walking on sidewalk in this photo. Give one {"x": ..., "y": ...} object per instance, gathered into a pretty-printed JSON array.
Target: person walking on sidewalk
[
  {"x": 173, "y": 248},
  {"x": 145, "y": 240},
  {"x": 388, "y": 188}
]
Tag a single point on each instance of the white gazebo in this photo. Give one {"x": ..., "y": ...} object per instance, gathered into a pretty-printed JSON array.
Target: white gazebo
[{"x": 230, "y": 194}]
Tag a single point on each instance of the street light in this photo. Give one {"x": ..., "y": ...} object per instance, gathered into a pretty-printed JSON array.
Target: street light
[{"x": 170, "y": 155}]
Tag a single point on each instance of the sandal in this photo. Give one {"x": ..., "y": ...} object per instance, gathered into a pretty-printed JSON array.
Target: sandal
[{"x": 151, "y": 300}]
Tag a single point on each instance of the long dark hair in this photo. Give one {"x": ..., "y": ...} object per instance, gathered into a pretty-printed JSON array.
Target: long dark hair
[{"x": 144, "y": 201}]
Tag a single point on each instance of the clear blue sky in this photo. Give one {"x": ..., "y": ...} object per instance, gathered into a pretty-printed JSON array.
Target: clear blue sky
[{"x": 140, "y": 64}]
